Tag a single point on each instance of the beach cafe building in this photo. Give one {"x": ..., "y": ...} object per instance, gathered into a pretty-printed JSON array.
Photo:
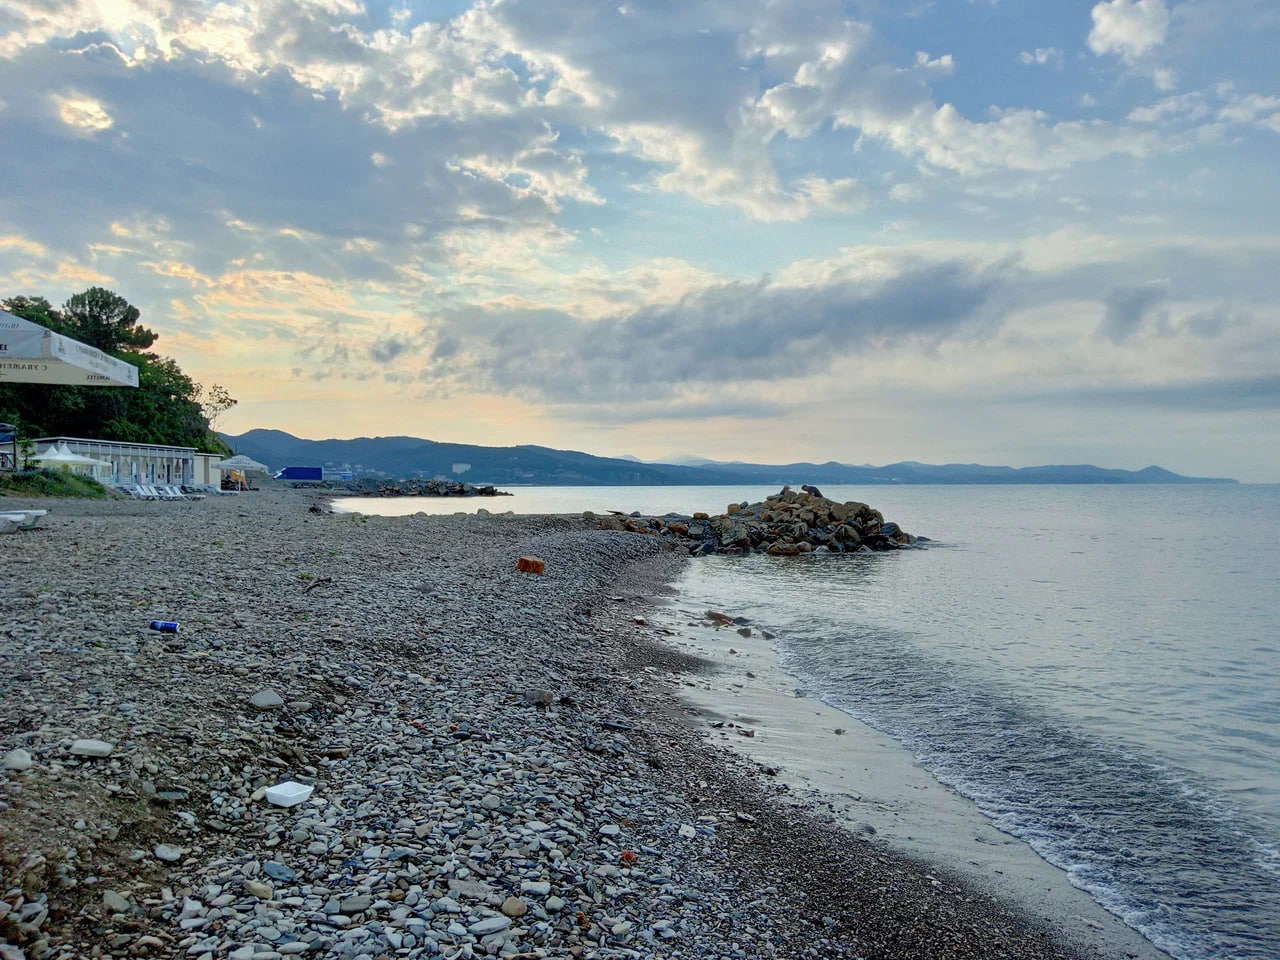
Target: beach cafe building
[{"x": 143, "y": 462}]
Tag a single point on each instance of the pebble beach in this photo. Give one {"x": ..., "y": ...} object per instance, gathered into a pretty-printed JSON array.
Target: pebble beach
[{"x": 500, "y": 762}]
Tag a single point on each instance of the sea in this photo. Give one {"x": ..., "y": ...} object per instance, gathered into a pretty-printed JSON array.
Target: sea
[{"x": 1097, "y": 668}]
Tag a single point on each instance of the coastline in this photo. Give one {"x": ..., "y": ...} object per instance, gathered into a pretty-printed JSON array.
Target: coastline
[
  {"x": 835, "y": 765},
  {"x": 413, "y": 684}
]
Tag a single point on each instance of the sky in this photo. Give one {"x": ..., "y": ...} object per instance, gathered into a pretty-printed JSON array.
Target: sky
[{"x": 1004, "y": 232}]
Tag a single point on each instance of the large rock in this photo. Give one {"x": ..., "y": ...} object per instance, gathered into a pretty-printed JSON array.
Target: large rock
[
  {"x": 355, "y": 905},
  {"x": 491, "y": 925},
  {"x": 847, "y": 533},
  {"x": 18, "y": 760},
  {"x": 266, "y": 700}
]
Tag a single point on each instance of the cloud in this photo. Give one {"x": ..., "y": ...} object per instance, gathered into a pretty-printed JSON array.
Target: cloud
[
  {"x": 1042, "y": 56},
  {"x": 1128, "y": 307},
  {"x": 514, "y": 99},
  {"x": 1128, "y": 28},
  {"x": 1219, "y": 395},
  {"x": 23, "y": 245},
  {"x": 83, "y": 113},
  {"x": 721, "y": 334},
  {"x": 1219, "y": 104},
  {"x": 385, "y": 349}
]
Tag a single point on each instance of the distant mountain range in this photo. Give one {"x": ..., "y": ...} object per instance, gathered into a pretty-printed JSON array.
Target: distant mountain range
[{"x": 414, "y": 457}]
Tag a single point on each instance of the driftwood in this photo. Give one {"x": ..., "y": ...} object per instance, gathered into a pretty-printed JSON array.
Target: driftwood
[{"x": 315, "y": 583}]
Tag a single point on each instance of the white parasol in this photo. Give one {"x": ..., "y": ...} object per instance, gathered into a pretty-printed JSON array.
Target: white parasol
[
  {"x": 30, "y": 353},
  {"x": 244, "y": 464}
]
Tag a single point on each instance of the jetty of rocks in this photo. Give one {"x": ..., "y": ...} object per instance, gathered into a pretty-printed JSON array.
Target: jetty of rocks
[
  {"x": 416, "y": 487},
  {"x": 785, "y": 524}
]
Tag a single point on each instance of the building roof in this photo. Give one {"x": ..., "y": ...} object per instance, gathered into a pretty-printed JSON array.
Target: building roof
[{"x": 158, "y": 447}]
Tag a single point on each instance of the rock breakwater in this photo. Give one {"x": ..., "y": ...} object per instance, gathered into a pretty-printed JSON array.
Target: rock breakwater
[
  {"x": 786, "y": 524},
  {"x": 415, "y": 487}
]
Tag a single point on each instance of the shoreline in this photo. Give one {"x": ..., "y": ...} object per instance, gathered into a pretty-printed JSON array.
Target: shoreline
[
  {"x": 837, "y": 765},
  {"x": 414, "y": 685}
]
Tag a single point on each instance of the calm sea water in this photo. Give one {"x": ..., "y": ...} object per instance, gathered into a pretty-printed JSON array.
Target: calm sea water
[{"x": 1096, "y": 667}]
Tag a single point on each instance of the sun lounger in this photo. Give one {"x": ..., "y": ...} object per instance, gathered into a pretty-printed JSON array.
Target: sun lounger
[{"x": 11, "y": 521}]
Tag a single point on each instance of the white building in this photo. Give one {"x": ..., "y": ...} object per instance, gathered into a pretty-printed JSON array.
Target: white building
[{"x": 144, "y": 462}]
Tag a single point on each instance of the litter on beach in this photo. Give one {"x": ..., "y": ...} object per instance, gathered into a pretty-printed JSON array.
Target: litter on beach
[
  {"x": 290, "y": 793},
  {"x": 531, "y": 565}
]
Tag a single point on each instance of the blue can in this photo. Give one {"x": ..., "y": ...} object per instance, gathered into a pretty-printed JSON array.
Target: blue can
[{"x": 165, "y": 626}]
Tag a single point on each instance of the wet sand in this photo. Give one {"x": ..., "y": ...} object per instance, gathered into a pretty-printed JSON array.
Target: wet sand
[{"x": 873, "y": 785}]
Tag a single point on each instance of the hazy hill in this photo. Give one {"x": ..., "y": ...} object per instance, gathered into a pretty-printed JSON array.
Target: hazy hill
[{"x": 412, "y": 456}]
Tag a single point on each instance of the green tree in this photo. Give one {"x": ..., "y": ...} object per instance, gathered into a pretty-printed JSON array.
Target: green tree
[
  {"x": 37, "y": 310},
  {"x": 164, "y": 408},
  {"x": 105, "y": 320}
]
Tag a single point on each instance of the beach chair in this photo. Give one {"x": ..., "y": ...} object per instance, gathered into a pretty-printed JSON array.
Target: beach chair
[{"x": 11, "y": 521}]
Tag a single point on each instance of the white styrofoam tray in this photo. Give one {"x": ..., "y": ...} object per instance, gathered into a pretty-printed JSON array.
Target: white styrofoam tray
[{"x": 289, "y": 794}]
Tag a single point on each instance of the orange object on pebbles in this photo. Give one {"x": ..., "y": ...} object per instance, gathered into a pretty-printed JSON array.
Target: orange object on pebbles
[{"x": 531, "y": 565}]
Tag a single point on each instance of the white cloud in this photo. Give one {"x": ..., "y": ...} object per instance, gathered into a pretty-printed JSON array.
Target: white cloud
[
  {"x": 762, "y": 77},
  {"x": 1042, "y": 56},
  {"x": 1128, "y": 28},
  {"x": 943, "y": 64},
  {"x": 1164, "y": 78},
  {"x": 1253, "y": 108},
  {"x": 83, "y": 113},
  {"x": 1213, "y": 108},
  {"x": 905, "y": 192},
  {"x": 536, "y": 169},
  {"x": 22, "y": 245}
]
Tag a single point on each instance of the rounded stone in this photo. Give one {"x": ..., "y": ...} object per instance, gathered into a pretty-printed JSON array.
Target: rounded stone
[{"x": 18, "y": 760}]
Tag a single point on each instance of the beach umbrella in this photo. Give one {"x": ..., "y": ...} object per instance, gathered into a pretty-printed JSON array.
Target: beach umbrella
[
  {"x": 244, "y": 464},
  {"x": 30, "y": 353}
]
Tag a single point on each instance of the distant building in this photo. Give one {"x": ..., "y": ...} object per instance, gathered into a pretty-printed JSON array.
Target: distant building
[
  {"x": 337, "y": 473},
  {"x": 461, "y": 467},
  {"x": 143, "y": 462}
]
